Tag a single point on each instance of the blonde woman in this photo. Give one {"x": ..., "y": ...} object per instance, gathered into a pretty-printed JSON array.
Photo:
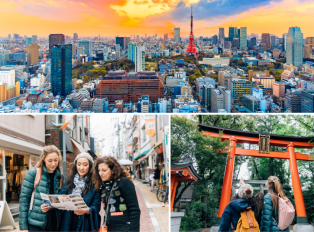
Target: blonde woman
[
  {"x": 270, "y": 207},
  {"x": 41, "y": 217}
]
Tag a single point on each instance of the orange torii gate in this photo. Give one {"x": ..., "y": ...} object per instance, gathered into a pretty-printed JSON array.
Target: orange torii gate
[{"x": 291, "y": 142}]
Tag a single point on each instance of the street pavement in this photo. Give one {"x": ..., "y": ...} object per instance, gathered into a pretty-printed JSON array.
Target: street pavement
[{"x": 154, "y": 217}]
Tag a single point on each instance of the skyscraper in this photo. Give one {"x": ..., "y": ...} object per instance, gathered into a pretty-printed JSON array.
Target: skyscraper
[
  {"x": 307, "y": 51},
  {"x": 55, "y": 39},
  {"x": 294, "y": 54},
  {"x": 139, "y": 58},
  {"x": 215, "y": 39},
  {"x": 126, "y": 42},
  {"x": 221, "y": 35},
  {"x": 61, "y": 69},
  {"x": 75, "y": 37},
  {"x": 32, "y": 54},
  {"x": 232, "y": 33},
  {"x": 28, "y": 41},
  {"x": 243, "y": 38},
  {"x": 165, "y": 37},
  {"x": 117, "y": 51},
  {"x": 34, "y": 38},
  {"x": 253, "y": 42},
  {"x": 266, "y": 40},
  {"x": 120, "y": 40},
  {"x": 284, "y": 41},
  {"x": 177, "y": 38},
  {"x": 273, "y": 41},
  {"x": 87, "y": 45}
]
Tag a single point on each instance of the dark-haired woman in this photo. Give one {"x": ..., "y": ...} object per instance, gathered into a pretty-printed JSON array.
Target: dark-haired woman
[
  {"x": 259, "y": 200},
  {"x": 240, "y": 203},
  {"x": 80, "y": 182},
  {"x": 118, "y": 196},
  {"x": 270, "y": 209}
]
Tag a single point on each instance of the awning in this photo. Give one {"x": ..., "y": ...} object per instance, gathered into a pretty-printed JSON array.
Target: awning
[
  {"x": 141, "y": 155},
  {"x": 158, "y": 143},
  {"x": 78, "y": 146},
  {"x": 69, "y": 147}
]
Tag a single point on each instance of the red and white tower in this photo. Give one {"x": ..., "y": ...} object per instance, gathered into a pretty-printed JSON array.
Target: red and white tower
[
  {"x": 45, "y": 56},
  {"x": 191, "y": 50}
]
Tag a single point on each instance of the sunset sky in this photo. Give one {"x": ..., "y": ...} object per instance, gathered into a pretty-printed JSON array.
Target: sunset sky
[{"x": 128, "y": 17}]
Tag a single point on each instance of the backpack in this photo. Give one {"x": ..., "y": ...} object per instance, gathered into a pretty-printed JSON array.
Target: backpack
[
  {"x": 247, "y": 222},
  {"x": 286, "y": 213}
]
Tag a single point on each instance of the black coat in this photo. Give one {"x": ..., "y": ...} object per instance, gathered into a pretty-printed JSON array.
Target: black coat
[
  {"x": 125, "y": 208},
  {"x": 92, "y": 200},
  {"x": 157, "y": 174}
]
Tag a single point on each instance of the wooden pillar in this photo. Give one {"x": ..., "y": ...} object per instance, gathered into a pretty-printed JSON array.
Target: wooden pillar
[
  {"x": 297, "y": 190},
  {"x": 174, "y": 181},
  {"x": 227, "y": 183}
]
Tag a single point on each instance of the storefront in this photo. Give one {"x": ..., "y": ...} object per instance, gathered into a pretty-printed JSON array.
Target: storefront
[{"x": 17, "y": 157}]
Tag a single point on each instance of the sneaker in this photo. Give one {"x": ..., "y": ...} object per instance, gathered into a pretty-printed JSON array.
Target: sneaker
[
  {"x": 152, "y": 191},
  {"x": 163, "y": 205}
]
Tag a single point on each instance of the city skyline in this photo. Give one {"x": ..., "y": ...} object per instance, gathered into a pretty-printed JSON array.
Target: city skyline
[{"x": 91, "y": 18}]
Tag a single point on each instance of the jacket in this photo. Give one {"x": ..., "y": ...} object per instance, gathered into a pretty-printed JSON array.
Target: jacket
[
  {"x": 36, "y": 216},
  {"x": 232, "y": 214},
  {"x": 157, "y": 174},
  {"x": 267, "y": 222},
  {"x": 125, "y": 207},
  {"x": 91, "y": 223},
  {"x": 91, "y": 199}
]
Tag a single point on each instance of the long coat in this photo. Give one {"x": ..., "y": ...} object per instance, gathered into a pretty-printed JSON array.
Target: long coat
[
  {"x": 91, "y": 199},
  {"x": 36, "y": 216}
]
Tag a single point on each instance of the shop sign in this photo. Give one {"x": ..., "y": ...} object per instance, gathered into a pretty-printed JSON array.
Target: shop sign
[
  {"x": 150, "y": 127},
  {"x": 129, "y": 149}
]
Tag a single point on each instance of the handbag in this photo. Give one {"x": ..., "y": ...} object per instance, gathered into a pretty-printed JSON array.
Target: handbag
[{"x": 102, "y": 212}]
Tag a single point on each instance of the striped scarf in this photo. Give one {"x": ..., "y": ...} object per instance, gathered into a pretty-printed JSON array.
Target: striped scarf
[{"x": 79, "y": 184}]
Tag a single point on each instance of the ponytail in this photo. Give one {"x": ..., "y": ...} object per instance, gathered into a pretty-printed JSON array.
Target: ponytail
[{"x": 274, "y": 187}]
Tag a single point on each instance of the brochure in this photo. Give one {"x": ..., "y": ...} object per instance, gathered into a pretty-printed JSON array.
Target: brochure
[{"x": 64, "y": 202}]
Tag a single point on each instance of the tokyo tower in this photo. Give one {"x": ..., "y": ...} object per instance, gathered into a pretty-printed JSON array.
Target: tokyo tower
[{"x": 191, "y": 49}]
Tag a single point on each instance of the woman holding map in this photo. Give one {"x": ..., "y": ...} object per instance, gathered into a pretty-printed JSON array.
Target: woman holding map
[
  {"x": 44, "y": 178},
  {"x": 118, "y": 196},
  {"x": 80, "y": 182}
]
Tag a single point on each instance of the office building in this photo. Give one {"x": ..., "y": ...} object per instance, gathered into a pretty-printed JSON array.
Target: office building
[
  {"x": 307, "y": 51},
  {"x": 177, "y": 38},
  {"x": 28, "y": 41},
  {"x": 32, "y": 54},
  {"x": 61, "y": 69},
  {"x": 239, "y": 87},
  {"x": 137, "y": 55},
  {"x": 75, "y": 37},
  {"x": 87, "y": 104},
  {"x": 307, "y": 102},
  {"x": 253, "y": 42},
  {"x": 166, "y": 37},
  {"x": 34, "y": 38},
  {"x": 309, "y": 40},
  {"x": 279, "y": 88},
  {"x": 117, "y": 85},
  {"x": 100, "y": 105},
  {"x": 120, "y": 41},
  {"x": 118, "y": 53},
  {"x": 266, "y": 40},
  {"x": 55, "y": 39},
  {"x": 294, "y": 99},
  {"x": 87, "y": 46},
  {"x": 251, "y": 103},
  {"x": 284, "y": 41},
  {"x": 221, "y": 35},
  {"x": 224, "y": 76},
  {"x": 273, "y": 41},
  {"x": 215, "y": 39},
  {"x": 294, "y": 54},
  {"x": 220, "y": 100},
  {"x": 235, "y": 43},
  {"x": 243, "y": 38},
  {"x": 7, "y": 76},
  {"x": 232, "y": 33}
]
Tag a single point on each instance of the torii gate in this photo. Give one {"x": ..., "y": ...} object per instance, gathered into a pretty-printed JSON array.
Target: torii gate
[{"x": 291, "y": 142}]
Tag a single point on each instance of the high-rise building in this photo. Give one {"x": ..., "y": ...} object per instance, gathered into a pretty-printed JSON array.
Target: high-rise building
[
  {"x": 294, "y": 54},
  {"x": 32, "y": 54},
  {"x": 79, "y": 52},
  {"x": 87, "y": 45},
  {"x": 266, "y": 40},
  {"x": 28, "y": 41},
  {"x": 284, "y": 41},
  {"x": 165, "y": 37},
  {"x": 61, "y": 69},
  {"x": 235, "y": 43},
  {"x": 120, "y": 85},
  {"x": 55, "y": 39},
  {"x": 307, "y": 51},
  {"x": 243, "y": 38},
  {"x": 215, "y": 39},
  {"x": 177, "y": 38},
  {"x": 162, "y": 46},
  {"x": 137, "y": 55},
  {"x": 232, "y": 33},
  {"x": 221, "y": 35},
  {"x": 9, "y": 36},
  {"x": 131, "y": 51},
  {"x": 34, "y": 38},
  {"x": 309, "y": 40},
  {"x": 117, "y": 51},
  {"x": 126, "y": 42},
  {"x": 75, "y": 37},
  {"x": 273, "y": 41},
  {"x": 120, "y": 40},
  {"x": 239, "y": 87},
  {"x": 253, "y": 42}
]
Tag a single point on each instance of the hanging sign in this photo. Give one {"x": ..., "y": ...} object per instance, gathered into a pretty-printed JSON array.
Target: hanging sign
[
  {"x": 150, "y": 127},
  {"x": 263, "y": 145},
  {"x": 129, "y": 149}
]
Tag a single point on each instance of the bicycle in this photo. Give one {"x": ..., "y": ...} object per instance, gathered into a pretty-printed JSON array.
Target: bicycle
[{"x": 161, "y": 194}]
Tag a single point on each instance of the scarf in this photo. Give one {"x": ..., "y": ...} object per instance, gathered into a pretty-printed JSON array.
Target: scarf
[{"x": 79, "y": 184}]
